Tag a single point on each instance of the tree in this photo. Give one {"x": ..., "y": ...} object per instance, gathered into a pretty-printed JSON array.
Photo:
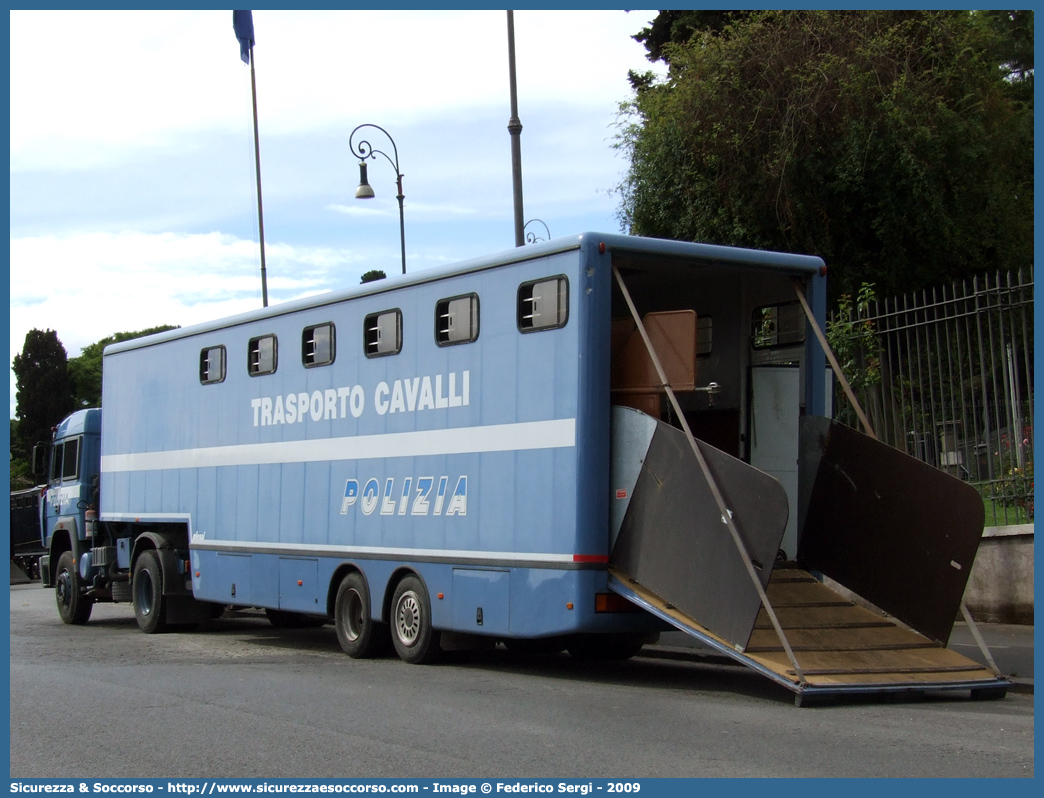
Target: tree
[
  {"x": 21, "y": 476},
  {"x": 677, "y": 27},
  {"x": 897, "y": 145},
  {"x": 1014, "y": 46},
  {"x": 373, "y": 274},
  {"x": 44, "y": 394},
  {"x": 86, "y": 370}
]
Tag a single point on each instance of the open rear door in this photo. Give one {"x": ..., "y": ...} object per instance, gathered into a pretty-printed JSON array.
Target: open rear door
[{"x": 695, "y": 534}]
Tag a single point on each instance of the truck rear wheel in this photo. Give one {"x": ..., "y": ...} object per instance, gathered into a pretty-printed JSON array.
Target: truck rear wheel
[
  {"x": 73, "y": 606},
  {"x": 147, "y": 589},
  {"x": 359, "y": 635},
  {"x": 415, "y": 640}
]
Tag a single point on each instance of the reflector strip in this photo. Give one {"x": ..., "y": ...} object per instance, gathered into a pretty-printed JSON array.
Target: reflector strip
[{"x": 553, "y": 434}]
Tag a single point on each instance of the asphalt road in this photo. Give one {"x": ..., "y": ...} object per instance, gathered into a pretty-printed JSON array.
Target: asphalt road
[{"x": 242, "y": 699}]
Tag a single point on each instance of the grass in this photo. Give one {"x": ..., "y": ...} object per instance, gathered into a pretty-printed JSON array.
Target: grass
[{"x": 1000, "y": 514}]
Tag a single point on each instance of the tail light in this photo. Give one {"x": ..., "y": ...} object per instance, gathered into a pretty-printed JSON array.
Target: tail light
[{"x": 611, "y": 602}]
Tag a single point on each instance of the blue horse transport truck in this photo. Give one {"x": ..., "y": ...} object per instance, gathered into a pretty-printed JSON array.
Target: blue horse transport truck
[{"x": 568, "y": 446}]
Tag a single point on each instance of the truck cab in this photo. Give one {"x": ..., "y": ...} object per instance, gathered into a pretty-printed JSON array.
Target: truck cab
[{"x": 72, "y": 490}]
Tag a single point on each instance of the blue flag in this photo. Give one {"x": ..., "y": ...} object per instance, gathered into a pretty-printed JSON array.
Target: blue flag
[{"x": 243, "y": 24}]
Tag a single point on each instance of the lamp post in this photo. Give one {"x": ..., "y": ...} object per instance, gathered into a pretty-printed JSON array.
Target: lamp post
[
  {"x": 515, "y": 131},
  {"x": 365, "y": 150}
]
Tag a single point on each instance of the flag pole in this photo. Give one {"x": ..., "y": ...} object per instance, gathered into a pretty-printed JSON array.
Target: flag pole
[{"x": 257, "y": 162}]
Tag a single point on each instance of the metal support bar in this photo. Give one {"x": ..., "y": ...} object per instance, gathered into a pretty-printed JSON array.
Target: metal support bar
[
  {"x": 979, "y": 639},
  {"x": 833, "y": 360},
  {"x": 726, "y": 515}
]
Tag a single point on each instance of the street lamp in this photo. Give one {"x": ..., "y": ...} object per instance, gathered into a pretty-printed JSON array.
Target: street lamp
[
  {"x": 365, "y": 150},
  {"x": 533, "y": 236}
]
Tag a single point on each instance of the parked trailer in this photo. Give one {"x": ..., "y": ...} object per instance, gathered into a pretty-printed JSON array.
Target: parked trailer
[
  {"x": 496, "y": 451},
  {"x": 26, "y": 540}
]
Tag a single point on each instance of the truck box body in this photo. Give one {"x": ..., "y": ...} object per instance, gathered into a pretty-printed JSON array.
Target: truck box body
[{"x": 483, "y": 465}]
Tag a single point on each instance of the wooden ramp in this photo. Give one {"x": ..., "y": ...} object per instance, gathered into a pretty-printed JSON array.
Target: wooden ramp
[{"x": 841, "y": 648}]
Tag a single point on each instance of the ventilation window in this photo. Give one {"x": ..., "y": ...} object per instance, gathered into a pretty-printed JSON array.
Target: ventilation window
[
  {"x": 262, "y": 354},
  {"x": 212, "y": 365},
  {"x": 543, "y": 304},
  {"x": 777, "y": 326},
  {"x": 317, "y": 345},
  {"x": 382, "y": 333},
  {"x": 457, "y": 320}
]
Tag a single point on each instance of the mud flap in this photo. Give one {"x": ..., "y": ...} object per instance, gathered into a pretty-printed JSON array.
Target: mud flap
[
  {"x": 895, "y": 531},
  {"x": 672, "y": 539}
]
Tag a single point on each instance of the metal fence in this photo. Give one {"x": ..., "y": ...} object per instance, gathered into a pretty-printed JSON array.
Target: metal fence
[{"x": 947, "y": 376}]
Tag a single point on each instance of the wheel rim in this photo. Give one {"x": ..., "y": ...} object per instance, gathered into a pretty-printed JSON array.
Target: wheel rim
[
  {"x": 353, "y": 615},
  {"x": 407, "y": 618},
  {"x": 63, "y": 588},
  {"x": 144, "y": 592}
]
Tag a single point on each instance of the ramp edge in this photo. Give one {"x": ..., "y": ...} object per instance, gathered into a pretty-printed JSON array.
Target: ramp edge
[{"x": 991, "y": 687}]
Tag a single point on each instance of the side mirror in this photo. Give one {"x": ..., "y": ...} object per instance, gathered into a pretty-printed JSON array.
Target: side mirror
[{"x": 39, "y": 461}]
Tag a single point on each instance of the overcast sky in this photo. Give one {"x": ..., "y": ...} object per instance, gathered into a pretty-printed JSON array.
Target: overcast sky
[{"x": 133, "y": 195}]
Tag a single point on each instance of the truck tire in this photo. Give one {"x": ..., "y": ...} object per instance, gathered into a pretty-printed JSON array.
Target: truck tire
[
  {"x": 416, "y": 642},
  {"x": 359, "y": 635},
  {"x": 73, "y": 606},
  {"x": 147, "y": 588}
]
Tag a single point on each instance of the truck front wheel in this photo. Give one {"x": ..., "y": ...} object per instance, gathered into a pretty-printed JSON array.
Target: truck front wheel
[
  {"x": 147, "y": 591},
  {"x": 73, "y": 606}
]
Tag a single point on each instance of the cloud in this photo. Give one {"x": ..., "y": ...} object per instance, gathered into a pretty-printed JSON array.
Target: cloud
[
  {"x": 110, "y": 282},
  {"x": 364, "y": 211},
  {"x": 119, "y": 80},
  {"x": 132, "y": 191}
]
